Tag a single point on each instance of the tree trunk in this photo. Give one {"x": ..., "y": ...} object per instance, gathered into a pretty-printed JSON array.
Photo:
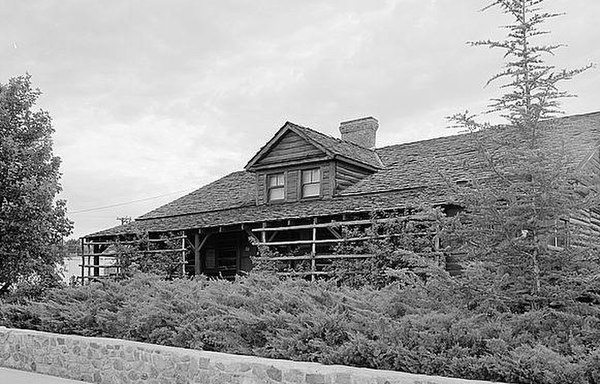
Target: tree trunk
[{"x": 536, "y": 273}]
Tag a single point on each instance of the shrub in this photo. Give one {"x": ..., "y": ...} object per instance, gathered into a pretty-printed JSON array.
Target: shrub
[{"x": 400, "y": 328}]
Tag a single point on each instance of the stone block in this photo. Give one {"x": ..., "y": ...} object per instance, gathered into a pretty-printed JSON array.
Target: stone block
[
  {"x": 160, "y": 362},
  {"x": 342, "y": 378},
  {"x": 118, "y": 365},
  {"x": 185, "y": 358},
  {"x": 274, "y": 373},
  {"x": 293, "y": 376},
  {"x": 315, "y": 378},
  {"x": 203, "y": 377},
  {"x": 183, "y": 368},
  {"x": 133, "y": 375},
  {"x": 203, "y": 363}
]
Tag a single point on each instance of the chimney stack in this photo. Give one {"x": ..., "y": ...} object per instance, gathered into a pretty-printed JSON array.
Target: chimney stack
[{"x": 360, "y": 131}]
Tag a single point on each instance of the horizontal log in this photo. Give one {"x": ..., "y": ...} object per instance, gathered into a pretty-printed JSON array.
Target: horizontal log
[
  {"x": 310, "y": 242},
  {"x": 297, "y": 155},
  {"x": 316, "y": 273},
  {"x": 316, "y": 257},
  {"x": 329, "y": 241},
  {"x": 99, "y": 266},
  {"x": 325, "y": 225},
  {"x": 349, "y": 176},
  {"x": 108, "y": 254},
  {"x": 133, "y": 241}
]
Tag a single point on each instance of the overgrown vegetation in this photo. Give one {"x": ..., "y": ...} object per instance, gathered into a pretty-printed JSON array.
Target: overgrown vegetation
[
  {"x": 421, "y": 328},
  {"x": 404, "y": 249},
  {"x": 162, "y": 258}
]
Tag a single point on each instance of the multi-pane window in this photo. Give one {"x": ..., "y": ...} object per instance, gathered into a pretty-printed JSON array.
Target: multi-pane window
[
  {"x": 276, "y": 187},
  {"x": 311, "y": 182}
]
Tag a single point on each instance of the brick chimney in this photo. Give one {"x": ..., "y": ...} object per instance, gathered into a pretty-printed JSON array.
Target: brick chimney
[{"x": 360, "y": 131}]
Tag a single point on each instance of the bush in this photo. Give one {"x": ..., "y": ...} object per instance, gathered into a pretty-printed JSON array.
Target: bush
[{"x": 396, "y": 327}]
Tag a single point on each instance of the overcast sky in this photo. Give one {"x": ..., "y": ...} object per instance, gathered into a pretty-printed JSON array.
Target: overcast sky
[{"x": 156, "y": 98}]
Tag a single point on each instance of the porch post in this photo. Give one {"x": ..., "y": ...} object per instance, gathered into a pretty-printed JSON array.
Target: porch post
[
  {"x": 82, "y": 261},
  {"x": 197, "y": 253},
  {"x": 313, "y": 262}
]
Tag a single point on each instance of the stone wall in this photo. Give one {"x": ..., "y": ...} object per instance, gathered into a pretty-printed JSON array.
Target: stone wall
[{"x": 103, "y": 360}]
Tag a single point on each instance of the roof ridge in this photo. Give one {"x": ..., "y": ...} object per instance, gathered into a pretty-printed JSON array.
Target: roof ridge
[
  {"x": 460, "y": 134},
  {"x": 341, "y": 141},
  {"x": 338, "y": 139},
  {"x": 575, "y": 115}
]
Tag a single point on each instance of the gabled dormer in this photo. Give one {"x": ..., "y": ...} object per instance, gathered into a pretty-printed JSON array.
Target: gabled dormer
[{"x": 299, "y": 163}]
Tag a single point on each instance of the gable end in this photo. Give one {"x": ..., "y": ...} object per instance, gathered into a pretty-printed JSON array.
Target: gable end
[{"x": 286, "y": 148}]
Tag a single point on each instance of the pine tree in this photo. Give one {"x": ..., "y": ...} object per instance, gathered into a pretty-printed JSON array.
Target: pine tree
[{"x": 527, "y": 188}]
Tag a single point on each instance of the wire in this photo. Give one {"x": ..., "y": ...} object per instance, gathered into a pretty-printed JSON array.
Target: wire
[{"x": 127, "y": 202}]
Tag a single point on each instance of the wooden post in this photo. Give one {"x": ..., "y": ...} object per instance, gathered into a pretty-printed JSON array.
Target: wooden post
[
  {"x": 436, "y": 247},
  {"x": 96, "y": 262},
  {"x": 197, "y": 254},
  {"x": 89, "y": 259},
  {"x": 183, "y": 253},
  {"x": 82, "y": 261},
  {"x": 263, "y": 236},
  {"x": 313, "y": 262},
  {"x": 198, "y": 245}
]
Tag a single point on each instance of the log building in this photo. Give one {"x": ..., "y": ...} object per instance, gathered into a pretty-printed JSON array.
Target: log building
[{"x": 302, "y": 187}]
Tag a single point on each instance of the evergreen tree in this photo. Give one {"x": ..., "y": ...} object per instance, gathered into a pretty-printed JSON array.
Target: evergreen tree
[
  {"x": 32, "y": 223},
  {"x": 526, "y": 192}
]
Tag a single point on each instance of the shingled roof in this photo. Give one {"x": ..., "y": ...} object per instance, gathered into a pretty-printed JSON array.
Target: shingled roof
[
  {"x": 342, "y": 148},
  {"x": 232, "y": 191},
  {"x": 417, "y": 171}
]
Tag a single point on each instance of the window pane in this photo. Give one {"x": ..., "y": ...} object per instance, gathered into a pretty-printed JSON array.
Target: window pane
[
  {"x": 276, "y": 180},
  {"x": 313, "y": 189},
  {"x": 276, "y": 194},
  {"x": 311, "y": 176}
]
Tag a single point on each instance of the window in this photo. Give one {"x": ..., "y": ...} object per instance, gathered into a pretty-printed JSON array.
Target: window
[
  {"x": 560, "y": 237},
  {"x": 275, "y": 187},
  {"x": 311, "y": 182}
]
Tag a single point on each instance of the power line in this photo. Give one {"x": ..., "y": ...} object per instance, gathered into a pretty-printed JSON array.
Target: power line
[{"x": 127, "y": 202}]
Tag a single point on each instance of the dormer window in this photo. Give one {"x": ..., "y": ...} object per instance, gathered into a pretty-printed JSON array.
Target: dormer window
[
  {"x": 276, "y": 187},
  {"x": 311, "y": 182}
]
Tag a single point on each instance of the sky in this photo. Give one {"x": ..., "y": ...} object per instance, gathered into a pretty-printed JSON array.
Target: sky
[{"x": 152, "y": 99}]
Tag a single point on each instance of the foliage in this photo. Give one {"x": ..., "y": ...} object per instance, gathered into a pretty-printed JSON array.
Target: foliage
[
  {"x": 32, "y": 223},
  {"x": 404, "y": 249},
  {"x": 526, "y": 188},
  {"x": 396, "y": 327},
  {"x": 267, "y": 261},
  {"x": 162, "y": 258}
]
